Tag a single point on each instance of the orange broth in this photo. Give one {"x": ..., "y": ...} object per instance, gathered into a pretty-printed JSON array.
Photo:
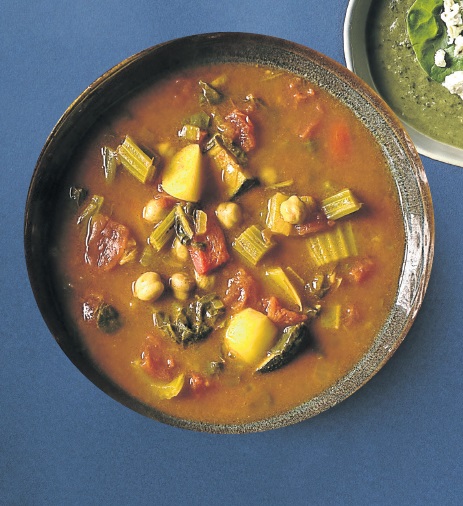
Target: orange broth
[{"x": 316, "y": 147}]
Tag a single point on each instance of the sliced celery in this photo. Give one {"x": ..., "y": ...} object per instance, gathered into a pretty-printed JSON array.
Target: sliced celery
[
  {"x": 147, "y": 256},
  {"x": 281, "y": 281},
  {"x": 295, "y": 275},
  {"x": 109, "y": 163},
  {"x": 190, "y": 133},
  {"x": 219, "y": 81},
  {"x": 138, "y": 163},
  {"x": 163, "y": 232},
  {"x": 333, "y": 245},
  {"x": 340, "y": 204},
  {"x": 252, "y": 245},
  {"x": 160, "y": 390},
  {"x": 282, "y": 184},
  {"x": 200, "y": 222},
  {"x": 274, "y": 220},
  {"x": 92, "y": 208},
  {"x": 330, "y": 317}
]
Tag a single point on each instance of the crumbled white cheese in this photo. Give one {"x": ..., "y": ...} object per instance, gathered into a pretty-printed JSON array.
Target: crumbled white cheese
[
  {"x": 454, "y": 83},
  {"x": 439, "y": 58},
  {"x": 452, "y": 17},
  {"x": 458, "y": 45}
]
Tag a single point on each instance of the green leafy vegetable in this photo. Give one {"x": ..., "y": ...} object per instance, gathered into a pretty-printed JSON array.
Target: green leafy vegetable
[
  {"x": 200, "y": 120},
  {"x": 184, "y": 226},
  {"x": 163, "y": 232},
  {"x": 78, "y": 195},
  {"x": 92, "y": 208},
  {"x": 209, "y": 94},
  {"x": 192, "y": 323},
  {"x": 107, "y": 318},
  {"x": 428, "y": 34}
]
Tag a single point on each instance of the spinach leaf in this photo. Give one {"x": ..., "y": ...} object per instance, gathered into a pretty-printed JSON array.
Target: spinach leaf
[{"x": 428, "y": 33}]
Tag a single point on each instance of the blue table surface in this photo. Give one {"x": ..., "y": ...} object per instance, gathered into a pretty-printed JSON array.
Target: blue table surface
[{"x": 62, "y": 441}]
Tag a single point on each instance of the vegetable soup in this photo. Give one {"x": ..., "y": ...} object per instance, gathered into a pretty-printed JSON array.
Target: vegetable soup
[{"x": 230, "y": 243}]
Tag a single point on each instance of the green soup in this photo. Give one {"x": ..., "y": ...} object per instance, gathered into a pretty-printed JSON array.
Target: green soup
[{"x": 422, "y": 103}]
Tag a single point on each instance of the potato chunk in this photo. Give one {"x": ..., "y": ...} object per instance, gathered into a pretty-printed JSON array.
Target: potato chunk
[
  {"x": 250, "y": 335},
  {"x": 183, "y": 177}
]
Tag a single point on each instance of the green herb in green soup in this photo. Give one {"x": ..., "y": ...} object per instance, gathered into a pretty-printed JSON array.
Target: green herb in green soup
[{"x": 428, "y": 35}]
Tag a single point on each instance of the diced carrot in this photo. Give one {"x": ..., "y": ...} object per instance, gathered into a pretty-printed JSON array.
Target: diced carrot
[{"x": 340, "y": 140}]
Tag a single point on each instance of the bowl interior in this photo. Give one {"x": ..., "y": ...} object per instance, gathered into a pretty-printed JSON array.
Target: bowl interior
[
  {"x": 356, "y": 54},
  {"x": 124, "y": 79}
]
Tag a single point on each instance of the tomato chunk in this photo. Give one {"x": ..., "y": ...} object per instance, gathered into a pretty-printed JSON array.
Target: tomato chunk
[
  {"x": 242, "y": 291},
  {"x": 106, "y": 242},
  {"x": 360, "y": 270},
  {"x": 198, "y": 383},
  {"x": 243, "y": 129},
  {"x": 211, "y": 249},
  {"x": 280, "y": 315},
  {"x": 156, "y": 361}
]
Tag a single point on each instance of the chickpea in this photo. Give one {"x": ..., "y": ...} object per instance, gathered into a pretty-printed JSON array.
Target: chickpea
[
  {"x": 181, "y": 285},
  {"x": 205, "y": 282},
  {"x": 155, "y": 210},
  {"x": 180, "y": 250},
  {"x": 148, "y": 286},
  {"x": 229, "y": 214},
  {"x": 293, "y": 210},
  {"x": 268, "y": 175}
]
